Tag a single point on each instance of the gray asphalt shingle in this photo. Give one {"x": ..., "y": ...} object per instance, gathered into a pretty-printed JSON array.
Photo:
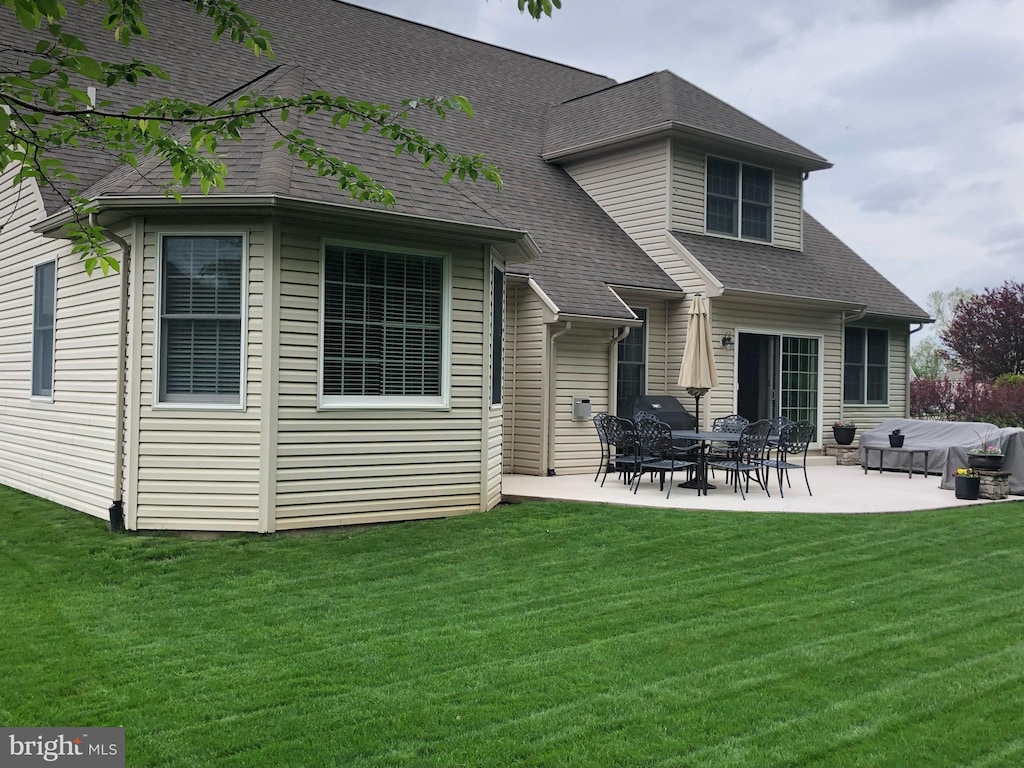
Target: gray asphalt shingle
[
  {"x": 523, "y": 106},
  {"x": 659, "y": 100},
  {"x": 825, "y": 269}
]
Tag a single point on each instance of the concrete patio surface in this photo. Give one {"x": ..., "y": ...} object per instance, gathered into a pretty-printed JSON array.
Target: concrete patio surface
[{"x": 837, "y": 490}]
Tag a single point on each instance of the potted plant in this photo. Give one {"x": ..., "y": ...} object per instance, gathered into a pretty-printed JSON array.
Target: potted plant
[
  {"x": 844, "y": 432},
  {"x": 967, "y": 483},
  {"x": 986, "y": 456},
  {"x": 896, "y": 438}
]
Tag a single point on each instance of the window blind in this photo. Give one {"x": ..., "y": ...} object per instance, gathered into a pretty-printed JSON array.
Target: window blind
[
  {"x": 383, "y": 323},
  {"x": 201, "y": 319}
]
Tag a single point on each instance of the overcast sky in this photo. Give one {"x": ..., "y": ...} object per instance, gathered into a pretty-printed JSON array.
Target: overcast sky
[{"x": 918, "y": 103}]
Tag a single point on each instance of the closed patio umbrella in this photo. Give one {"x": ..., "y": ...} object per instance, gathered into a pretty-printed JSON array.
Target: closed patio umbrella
[{"x": 697, "y": 374}]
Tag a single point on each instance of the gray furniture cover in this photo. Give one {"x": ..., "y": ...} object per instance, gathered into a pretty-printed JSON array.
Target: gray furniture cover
[{"x": 948, "y": 443}]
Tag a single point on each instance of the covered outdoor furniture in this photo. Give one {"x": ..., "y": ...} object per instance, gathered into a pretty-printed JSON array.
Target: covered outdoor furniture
[
  {"x": 747, "y": 457},
  {"x": 791, "y": 452},
  {"x": 654, "y": 440},
  {"x": 947, "y": 443}
]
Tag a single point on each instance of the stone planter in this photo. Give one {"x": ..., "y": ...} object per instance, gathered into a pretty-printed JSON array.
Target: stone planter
[
  {"x": 967, "y": 487},
  {"x": 844, "y": 435},
  {"x": 993, "y": 462}
]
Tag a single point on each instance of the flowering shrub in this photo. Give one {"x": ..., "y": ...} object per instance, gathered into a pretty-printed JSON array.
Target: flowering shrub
[
  {"x": 1001, "y": 403},
  {"x": 966, "y": 472}
]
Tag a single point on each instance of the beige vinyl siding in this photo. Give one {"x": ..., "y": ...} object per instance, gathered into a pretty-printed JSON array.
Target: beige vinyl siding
[
  {"x": 199, "y": 468},
  {"x": 337, "y": 467},
  {"x": 582, "y": 370},
  {"x": 61, "y": 450},
  {"x": 732, "y": 315},
  {"x": 689, "y": 197},
  {"x": 492, "y": 488},
  {"x": 868, "y": 416},
  {"x": 688, "y": 188},
  {"x": 660, "y": 341},
  {"x": 523, "y": 399},
  {"x": 788, "y": 211}
]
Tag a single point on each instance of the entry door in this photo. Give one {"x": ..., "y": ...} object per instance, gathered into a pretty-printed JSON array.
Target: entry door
[
  {"x": 777, "y": 375},
  {"x": 632, "y": 368}
]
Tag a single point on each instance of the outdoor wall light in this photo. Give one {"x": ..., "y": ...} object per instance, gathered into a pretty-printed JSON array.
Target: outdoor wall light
[{"x": 727, "y": 341}]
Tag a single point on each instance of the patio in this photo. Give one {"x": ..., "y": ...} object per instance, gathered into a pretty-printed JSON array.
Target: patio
[{"x": 837, "y": 489}]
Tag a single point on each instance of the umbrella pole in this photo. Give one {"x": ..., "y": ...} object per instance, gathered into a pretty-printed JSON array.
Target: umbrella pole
[{"x": 697, "y": 398}]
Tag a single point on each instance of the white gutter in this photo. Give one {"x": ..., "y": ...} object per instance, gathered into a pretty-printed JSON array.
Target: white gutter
[{"x": 117, "y": 504}]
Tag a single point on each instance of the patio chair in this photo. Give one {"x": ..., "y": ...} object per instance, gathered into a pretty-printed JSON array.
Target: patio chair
[
  {"x": 777, "y": 424},
  {"x": 654, "y": 439},
  {"x": 622, "y": 441},
  {"x": 792, "y": 452},
  {"x": 731, "y": 423},
  {"x": 747, "y": 457},
  {"x": 601, "y": 425}
]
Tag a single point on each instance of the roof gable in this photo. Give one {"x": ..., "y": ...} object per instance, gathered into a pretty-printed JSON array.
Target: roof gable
[{"x": 659, "y": 102}]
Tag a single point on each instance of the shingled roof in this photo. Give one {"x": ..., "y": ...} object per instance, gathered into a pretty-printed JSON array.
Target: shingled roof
[
  {"x": 825, "y": 270},
  {"x": 661, "y": 101},
  {"x": 366, "y": 54}
]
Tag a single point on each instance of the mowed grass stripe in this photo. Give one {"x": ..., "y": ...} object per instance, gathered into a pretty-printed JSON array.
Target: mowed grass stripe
[{"x": 540, "y": 634}]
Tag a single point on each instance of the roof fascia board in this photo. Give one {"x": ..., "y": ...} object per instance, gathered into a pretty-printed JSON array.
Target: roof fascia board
[
  {"x": 544, "y": 299},
  {"x": 624, "y": 304},
  {"x": 522, "y": 240},
  {"x": 678, "y": 294},
  {"x": 671, "y": 128},
  {"x": 833, "y": 304},
  {"x": 610, "y": 322},
  {"x": 712, "y": 285}
]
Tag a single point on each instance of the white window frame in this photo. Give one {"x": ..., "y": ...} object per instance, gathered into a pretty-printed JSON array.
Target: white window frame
[
  {"x": 41, "y": 397},
  {"x": 739, "y": 201},
  {"x": 500, "y": 267},
  {"x": 865, "y": 403},
  {"x": 158, "y": 362},
  {"x": 381, "y": 402}
]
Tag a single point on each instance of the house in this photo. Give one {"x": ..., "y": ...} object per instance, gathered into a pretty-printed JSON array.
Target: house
[{"x": 275, "y": 356}]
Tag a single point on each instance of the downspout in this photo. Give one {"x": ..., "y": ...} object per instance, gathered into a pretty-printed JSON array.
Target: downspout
[
  {"x": 613, "y": 370},
  {"x": 552, "y": 394},
  {"x": 116, "y": 510}
]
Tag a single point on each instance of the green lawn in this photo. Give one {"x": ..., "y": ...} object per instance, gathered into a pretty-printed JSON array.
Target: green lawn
[{"x": 535, "y": 635}]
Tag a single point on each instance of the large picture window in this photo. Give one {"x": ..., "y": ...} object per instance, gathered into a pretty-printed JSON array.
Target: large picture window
[
  {"x": 866, "y": 366},
  {"x": 42, "y": 329},
  {"x": 739, "y": 199},
  {"x": 201, "y": 319},
  {"x": 384, "y": 334}
]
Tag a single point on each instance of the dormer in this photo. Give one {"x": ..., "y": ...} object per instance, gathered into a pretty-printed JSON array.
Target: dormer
[{"x": 727, "y": 175}]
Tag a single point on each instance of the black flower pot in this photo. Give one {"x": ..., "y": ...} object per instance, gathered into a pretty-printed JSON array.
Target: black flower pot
[
  {"x": 896, "y": 441},
  {"x": 992, "y": 462},
  {"x": 967, "y": 487},
  {"x": 844, "y": 435}
]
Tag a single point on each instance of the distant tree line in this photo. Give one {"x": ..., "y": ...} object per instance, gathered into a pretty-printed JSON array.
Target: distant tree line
[{"x": 980, "y": 340}]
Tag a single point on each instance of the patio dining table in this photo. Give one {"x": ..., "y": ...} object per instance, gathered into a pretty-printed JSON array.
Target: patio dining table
[{"x": 701, "y": 481}]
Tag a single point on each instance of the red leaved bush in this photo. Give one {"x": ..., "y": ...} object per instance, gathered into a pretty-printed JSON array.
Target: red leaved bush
[
  {"x": 1001, "y": 403},
  {"x": 986, "y": 334}
]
